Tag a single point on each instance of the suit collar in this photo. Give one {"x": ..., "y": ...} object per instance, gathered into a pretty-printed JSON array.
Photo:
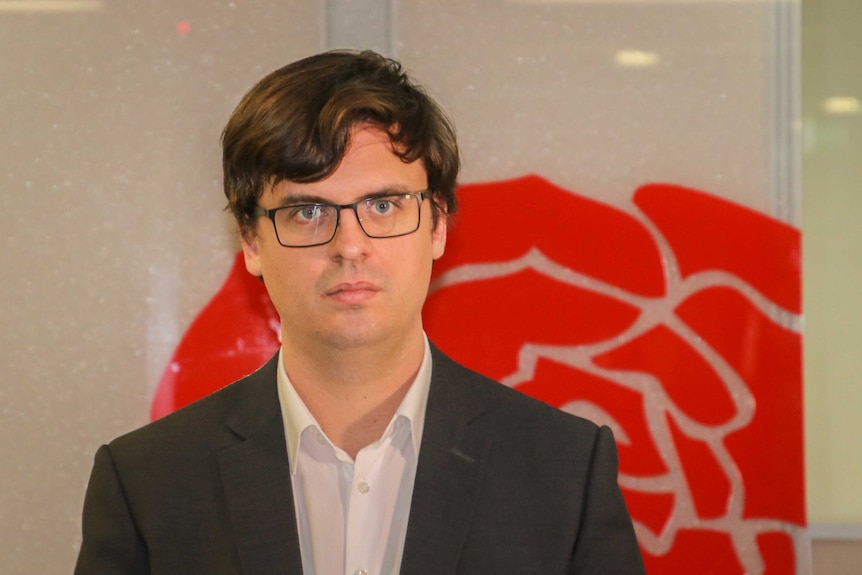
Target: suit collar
[
  {"x": 256, "y": 474},
  {"x": 298, "y": 418},
  {"x": 454, "y": 450},
  {"x": 256, "y": 479},
  {"x": 256, "y": 401}
]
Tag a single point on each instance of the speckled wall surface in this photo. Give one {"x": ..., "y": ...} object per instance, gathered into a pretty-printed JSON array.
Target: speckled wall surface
[
  {"x": 601, "y": 96},
  {"x": 113, "y": 233}
]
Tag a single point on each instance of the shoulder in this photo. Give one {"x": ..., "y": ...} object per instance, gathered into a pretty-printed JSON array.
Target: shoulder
[
  {"x": 206, "y": 423},
  {"x": 509, "y": 409},
  {"x": 529, "y": 445}
]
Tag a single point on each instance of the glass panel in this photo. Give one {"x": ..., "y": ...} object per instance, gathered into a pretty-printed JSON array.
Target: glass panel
[
  {"x": 113, "y": 230},
  {"x": 650, "y": 288},
  {"x": 115, "y": 239}
]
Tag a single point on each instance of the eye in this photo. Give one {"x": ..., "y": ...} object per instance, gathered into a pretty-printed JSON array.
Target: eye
[
  {"x": 304, "y": 214},
  {"x": 385, "y": 205},
  {"x": 308, "y": 212},
  {"x": 382, "y": 206}
]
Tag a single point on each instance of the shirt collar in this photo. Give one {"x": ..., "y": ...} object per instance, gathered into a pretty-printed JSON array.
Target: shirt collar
[{"x": 297, "y": 418}]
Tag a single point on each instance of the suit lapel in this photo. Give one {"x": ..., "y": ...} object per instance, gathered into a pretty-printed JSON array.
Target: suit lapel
[
  {"x": 453, "y": 452},
  {"x": 256, "y": 478}
]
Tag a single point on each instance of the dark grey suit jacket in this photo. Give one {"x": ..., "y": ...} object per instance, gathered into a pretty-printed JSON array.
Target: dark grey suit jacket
[{"x": 505, "y": 484}]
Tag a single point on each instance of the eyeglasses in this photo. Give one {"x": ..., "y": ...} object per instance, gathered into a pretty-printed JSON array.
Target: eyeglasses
[{"x": 380, "y": 216}]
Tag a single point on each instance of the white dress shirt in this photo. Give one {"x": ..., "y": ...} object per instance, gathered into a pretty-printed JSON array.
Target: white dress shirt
[{"x": 352, "y": 515}]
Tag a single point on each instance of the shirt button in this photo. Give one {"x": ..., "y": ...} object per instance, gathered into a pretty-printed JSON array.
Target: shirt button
[
  {"x": 363, "y": 488},
  {"x": 361, "y": 572}
]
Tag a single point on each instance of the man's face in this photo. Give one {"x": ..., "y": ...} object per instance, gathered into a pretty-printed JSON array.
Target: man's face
[{"x": 355, "y": 290}]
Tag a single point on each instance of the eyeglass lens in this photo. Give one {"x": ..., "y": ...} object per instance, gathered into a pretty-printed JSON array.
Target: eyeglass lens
[{"x": 380, "y": 217}]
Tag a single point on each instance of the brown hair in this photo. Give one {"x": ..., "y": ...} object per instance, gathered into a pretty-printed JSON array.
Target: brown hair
[{"x": 295, "y": 125}]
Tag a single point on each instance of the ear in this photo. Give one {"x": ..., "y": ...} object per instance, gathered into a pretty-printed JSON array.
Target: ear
[
  {"x": 251, "y": 252},
  {"x": 438, "y": 235}
]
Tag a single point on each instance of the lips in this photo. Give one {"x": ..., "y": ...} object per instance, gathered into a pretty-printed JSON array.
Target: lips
[{"x": 352, "y": 292}]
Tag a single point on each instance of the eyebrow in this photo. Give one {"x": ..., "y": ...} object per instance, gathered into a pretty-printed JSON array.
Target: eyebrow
[{"x": 307, "y": 199}]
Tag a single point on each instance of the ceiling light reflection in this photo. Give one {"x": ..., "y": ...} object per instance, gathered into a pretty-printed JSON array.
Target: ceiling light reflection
[
  {"x": 45, "y": 6},
  {"x": 841, "y": 105},
  {"x": 636, "y": 58}
]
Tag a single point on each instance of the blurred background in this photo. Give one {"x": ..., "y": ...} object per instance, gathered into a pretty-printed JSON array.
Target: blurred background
[{"x": 111, "y": 213}]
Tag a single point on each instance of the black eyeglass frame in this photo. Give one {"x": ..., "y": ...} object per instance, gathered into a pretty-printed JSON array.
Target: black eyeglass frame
[{"x": 270, "y": 214}]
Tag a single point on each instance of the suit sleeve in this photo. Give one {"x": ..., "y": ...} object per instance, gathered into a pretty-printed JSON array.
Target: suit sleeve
[
  {"x": 111, "y": 542},
  {"x": 606, "y": 542}
]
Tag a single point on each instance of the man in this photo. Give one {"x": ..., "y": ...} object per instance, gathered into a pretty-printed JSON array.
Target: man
[{"x": 360, "y": 448}]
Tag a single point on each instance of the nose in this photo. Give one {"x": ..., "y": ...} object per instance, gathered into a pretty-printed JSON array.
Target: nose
[{"x": 350, "y": 241}]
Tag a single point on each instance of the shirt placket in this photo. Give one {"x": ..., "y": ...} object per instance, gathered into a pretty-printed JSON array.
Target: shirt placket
[{"x": 368, "y": 513}]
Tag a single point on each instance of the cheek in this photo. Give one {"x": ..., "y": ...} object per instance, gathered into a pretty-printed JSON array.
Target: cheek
[
  {"x": 417, "y": 275},
  {"x": 283, "y": 280}
]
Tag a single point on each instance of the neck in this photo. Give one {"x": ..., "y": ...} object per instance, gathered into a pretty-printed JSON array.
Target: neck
[{"x": 353, "y": 391}]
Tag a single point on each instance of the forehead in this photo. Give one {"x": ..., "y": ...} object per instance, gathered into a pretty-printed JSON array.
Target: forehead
[{"x": 369, "y": 166}]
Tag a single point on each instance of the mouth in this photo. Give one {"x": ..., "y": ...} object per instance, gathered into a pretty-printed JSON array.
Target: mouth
[{"x": 352, "y": 292}]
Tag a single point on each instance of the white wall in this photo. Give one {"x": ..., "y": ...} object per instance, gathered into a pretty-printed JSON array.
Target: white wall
[{"x": 113, "y": 234}]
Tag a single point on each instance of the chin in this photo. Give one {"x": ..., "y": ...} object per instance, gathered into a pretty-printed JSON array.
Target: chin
[{"x": 353, "y": 336}]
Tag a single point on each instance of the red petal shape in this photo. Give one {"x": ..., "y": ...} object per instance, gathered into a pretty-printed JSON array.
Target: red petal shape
[
  {"x": 558, "y": 384},
  {"x": 483, "y": 324},
  {"x": 768, "y": 451},
  {"x": 504, "y": 220},
  {"x": 652, "y": 509},
  {"x": 778, "y": 553},
  {"x": 708, "y": 233},
  {"x": 710, "y": 488},
  {"x": 232, "y": 336},
  {"x": 697, "y": 552},
  {"x": 685, "y": 375}
]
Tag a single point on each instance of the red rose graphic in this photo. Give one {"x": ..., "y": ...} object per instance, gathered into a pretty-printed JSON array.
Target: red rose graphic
[
  {"x": 674, "y": 320},
  {"x": 233, "y": 335}
]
